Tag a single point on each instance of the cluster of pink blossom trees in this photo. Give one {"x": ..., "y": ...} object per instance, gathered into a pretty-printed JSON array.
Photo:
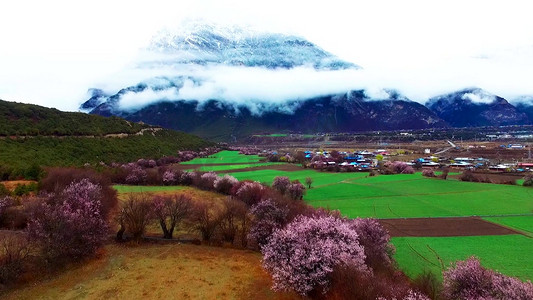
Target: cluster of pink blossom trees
[
  {"x": 470, "y": 280},
  {"x": 397, "y": 167}
]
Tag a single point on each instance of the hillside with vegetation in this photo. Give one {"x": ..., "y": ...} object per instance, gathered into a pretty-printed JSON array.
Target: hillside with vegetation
[
  {"x": 32, "y": 120},
  {"x": 32, "y": 136}
]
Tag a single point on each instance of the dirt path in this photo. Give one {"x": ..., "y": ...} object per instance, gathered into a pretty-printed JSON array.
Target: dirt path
[{"x": 442, "y": 227}]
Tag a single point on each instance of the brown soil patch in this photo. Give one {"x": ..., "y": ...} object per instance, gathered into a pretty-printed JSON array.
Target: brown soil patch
[
  {"x": 442, "y": 227},
  {"x": 11, "y": 185}
]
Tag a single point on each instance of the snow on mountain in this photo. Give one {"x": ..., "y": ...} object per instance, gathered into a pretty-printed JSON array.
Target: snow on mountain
[
  {"x": 201, "y": 43},
  {"x": 200, "y": 61},
  {"x": 476, "y": 107}
]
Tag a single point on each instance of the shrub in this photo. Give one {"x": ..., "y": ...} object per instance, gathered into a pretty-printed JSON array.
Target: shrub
[
  {"x": 135, "y": 174},
  {"x": 528, "y": 180},
  {"x": 296, "y": 191},
  {"x": 308, "y": 182},
  {"x": 350, "y": 283},
  {"x": 187, "y": 178},
  {"x": 207, "y": 181},
  {"x": 170, "y": 211},
  {"x": 234, "y": 221},
  {"x": 5, "y": 203},
  {"x": 135, "y": 215},
  {"x": 169, "y": 178},
  {"x": 376, "y": 242},
  {"x": 428, "y": 173},
  {"x": 267, "y": 216},
  {"x": 281, "y": 183},
  {"x": 205, "y": 218},
  {"x": 301, "y": 256},
  {"x": 225, "y": 184},
  {"x": 445, "y": 172},
  {"x": 469, "y": 280},
  {"x": 70, "y": 225},
  {"x": 4, "y": 191},
  {"x": 250, "y": 192},
  {"x": 468, "y": 175},
  {"x": 57, "y": 179},
  {"x": 14, "y": 252}
]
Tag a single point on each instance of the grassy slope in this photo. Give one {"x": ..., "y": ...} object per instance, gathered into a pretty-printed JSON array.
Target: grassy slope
[
  {"x": 509, "y": 254},
  {"x": 67, "y": 151},
  {"x": 151, "y": 271},
  {"x": 29, "y": 119}
]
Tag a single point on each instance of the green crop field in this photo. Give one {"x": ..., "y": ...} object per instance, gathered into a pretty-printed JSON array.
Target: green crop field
[
  {"x": 412, "y": 195},
  {"x": 521, "y": 223},
  {"x": 139, "y": 189},
  {"x": 216, "y": 168},
  {"x": 404, "y": 195},
  {"x": 224, "y": 157},
  {"x": 508, "y": 254}
]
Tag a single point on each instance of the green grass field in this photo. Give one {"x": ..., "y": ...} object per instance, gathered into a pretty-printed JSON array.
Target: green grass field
[
  {"x": 521, "y": 223},
  {"x": 229, "y": 168},
  {"x": 138, "y": 189},
  {"x": 411, "y": 195},
  {"x": 224, "y": 157},
  {"x": 404, "y": 195},
  {"x": 508, "y": 254}
]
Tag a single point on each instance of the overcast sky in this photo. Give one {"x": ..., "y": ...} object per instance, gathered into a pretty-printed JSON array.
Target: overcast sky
[{"x": 52, "y": 51}]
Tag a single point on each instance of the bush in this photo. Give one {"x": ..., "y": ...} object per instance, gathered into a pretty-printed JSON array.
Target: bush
[
  {"x": 468, "y": 175},
  {"x": 469, "y": 280},
  {"x": 14, "y": 252},
  {"x": 170, "y": 211},
  {"x": 234, "y": 222},
  {"x": 281, "y": 183},
  {"x": 135, "y": 215},
  {"x": 169, "y": 178},
  {"x": 207, "y": 181},
  {"x": 71, "y": 225},
  {"x": 528, "y": 180},
  {"x": 296, "y": 191},
  {"x": 5, "y": 203},
  {"x": 225, "y": 184},
  {"x": 308, "y": 182},
  {"x": 301, "y": 256},
  {"x": 4, "y": 191},
  {"x": 57, "y": 179},
  {"x": 376, "y": 243},
  {"x": 428, "y": 173},
  {"x": 205, "y": 218},
  {"x": 249, "y": 192},
  {"x": 267, "y": 216}
]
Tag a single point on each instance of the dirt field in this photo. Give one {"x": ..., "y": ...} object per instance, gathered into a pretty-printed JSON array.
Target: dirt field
[
  {"x": 11, "y": 185},
  {"x": 442, "y": 227},
  {"x": 152, "y": 271}
]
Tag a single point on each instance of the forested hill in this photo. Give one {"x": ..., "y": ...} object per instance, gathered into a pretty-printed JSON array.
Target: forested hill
[
  {"x": 33, "y": 120},
  {"x": 32, "y": 136}
]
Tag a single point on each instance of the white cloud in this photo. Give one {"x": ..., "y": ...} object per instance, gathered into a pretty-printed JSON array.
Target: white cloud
[{"x": 53, "y": 51}]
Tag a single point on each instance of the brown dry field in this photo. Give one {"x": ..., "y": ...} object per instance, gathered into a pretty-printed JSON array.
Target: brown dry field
[
  {"x": 12, "y": 184},
  {"x": 155, "y": 271},
  {"x": 442, "y": 227}
]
